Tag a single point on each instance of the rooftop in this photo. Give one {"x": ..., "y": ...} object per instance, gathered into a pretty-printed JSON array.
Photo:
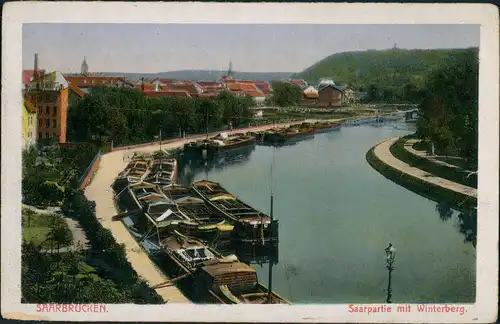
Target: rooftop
[
  {"x": 30, "y": 106},
  {"x": 95, "y": 80}
]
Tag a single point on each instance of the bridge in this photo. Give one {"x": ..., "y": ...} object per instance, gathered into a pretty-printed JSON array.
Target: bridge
[{"x": 411, "y": 115}]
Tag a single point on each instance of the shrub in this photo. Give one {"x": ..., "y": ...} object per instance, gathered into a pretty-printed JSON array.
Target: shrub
[{"x": 111, "y": 255}]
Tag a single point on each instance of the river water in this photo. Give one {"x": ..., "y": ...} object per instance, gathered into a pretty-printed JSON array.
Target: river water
[{"x": 337, "y": 215}]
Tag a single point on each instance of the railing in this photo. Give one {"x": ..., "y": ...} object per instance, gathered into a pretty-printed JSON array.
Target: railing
[
  {"x": 167, "y": 138},
  {"x": 84, "y": 180}
]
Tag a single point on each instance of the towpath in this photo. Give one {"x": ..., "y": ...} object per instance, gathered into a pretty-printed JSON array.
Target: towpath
[
  {"x": 101, "y": 192},
  {"x": 382, "y": 151}
]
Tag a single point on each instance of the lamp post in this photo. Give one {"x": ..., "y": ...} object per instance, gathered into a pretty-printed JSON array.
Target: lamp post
[{"x": 390, "y": 254}]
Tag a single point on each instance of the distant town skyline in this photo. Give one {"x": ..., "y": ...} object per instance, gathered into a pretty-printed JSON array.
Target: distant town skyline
[{"x": 152, "y": 48}]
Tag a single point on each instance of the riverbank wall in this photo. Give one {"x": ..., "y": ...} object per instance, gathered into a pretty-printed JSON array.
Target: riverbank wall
[{"x": 419, "y": 185}]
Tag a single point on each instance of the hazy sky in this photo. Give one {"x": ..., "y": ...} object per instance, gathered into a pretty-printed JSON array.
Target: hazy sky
[{"x": 151, "y": 48}]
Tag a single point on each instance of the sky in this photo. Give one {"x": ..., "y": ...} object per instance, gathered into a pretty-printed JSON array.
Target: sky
[{"x": 152, "y": 48}]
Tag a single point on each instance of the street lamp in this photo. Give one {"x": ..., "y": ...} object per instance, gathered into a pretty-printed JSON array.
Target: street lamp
[{"x": 390, "y": 256}]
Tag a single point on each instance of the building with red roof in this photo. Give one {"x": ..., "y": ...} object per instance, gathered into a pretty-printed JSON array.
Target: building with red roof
[
  {"x": 29, "y": 75},
  {"x": 168, "y": 93},
  {"x": 299, "y": 82},
  {"x": 86, "y": 82}
]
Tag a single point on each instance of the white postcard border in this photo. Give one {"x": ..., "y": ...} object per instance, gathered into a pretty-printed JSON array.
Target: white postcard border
[{"x": 15, "y": 14}]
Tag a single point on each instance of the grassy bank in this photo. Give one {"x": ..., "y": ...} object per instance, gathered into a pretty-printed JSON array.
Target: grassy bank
[
  {"x": 420, "y": 187},
  {"x": 442, "y": 171},
  {"x": 45, "y": 230}
]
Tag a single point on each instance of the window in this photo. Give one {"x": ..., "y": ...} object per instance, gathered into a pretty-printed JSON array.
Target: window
[
  {"x": 47, "y": 123},
  {"x": 47, "y": 110},
  {"x": 47, "y": 135},
  {"x": 39, "y": 110},
  {"x": 54, "y": 111},
  {"x": 54, "y": 123},
  {"x": 40, "y": 123},
  {"x": 40, "y": 135}
]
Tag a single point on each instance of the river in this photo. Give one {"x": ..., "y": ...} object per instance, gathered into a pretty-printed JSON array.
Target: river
[{"x": 337, "y": 215}]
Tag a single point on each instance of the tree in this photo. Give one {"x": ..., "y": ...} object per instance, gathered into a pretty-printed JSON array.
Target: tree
[
  {"x": 36, "y": 268},
  {"x": 373, "y": 93},
  {"x": 232, "y": 108},
  {"x": 449, "y": 111},
  {"x": 60, "y": 234},
  {"x": 286, "y": 94}
]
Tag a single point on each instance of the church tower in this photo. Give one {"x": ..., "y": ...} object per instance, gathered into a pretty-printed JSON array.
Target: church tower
[{"x": 85, "y": 67}]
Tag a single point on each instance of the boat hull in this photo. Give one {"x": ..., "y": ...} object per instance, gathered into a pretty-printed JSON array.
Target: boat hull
[
  {"x": 259, "y": 295},
  {"x": 245, "y": 231},
  {"x": 203, "y": 231},
  {"x": 328, "y": 128},
  {"x": 214, "y": 148}
]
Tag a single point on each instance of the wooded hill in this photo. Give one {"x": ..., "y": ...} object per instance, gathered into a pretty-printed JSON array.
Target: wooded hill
[{"x": 385, "y": 68}]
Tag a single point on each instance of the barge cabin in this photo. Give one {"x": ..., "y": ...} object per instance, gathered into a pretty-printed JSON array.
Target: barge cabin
[{"x": 233, "y": 282}]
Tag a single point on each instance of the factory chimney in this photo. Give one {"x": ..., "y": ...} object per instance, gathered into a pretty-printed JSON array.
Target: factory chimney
[
  {"x": 36, "y": 72},
  {"x": 36, "y": 64}
]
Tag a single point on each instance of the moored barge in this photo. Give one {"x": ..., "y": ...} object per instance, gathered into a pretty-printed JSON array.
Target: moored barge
[
  {"x": 136, "y": 170},
  {"x": 326, "y": 126},
  {"x": 233, "y": 282},
  {"x": 163, "y": 172},
  {"x": 222, "y": 142},
  {"x": 160, "y": 211},
  {"x": 216, "y": 278},
  {"x": 250, "y": 225}
]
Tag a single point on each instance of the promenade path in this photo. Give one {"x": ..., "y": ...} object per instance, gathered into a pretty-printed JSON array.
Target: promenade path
[
  {"x": 101, "y": 192},
  {"x": 433, "y": 158},
  {"x": 382, "y": 151}
]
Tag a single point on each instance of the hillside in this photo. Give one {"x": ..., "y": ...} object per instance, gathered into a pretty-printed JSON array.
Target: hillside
[
  {"x": 385, "y": 68},
  {"x": 204, "y": 75}
]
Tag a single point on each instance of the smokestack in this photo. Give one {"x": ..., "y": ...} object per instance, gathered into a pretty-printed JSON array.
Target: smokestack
[
  {"x": 36, "y": 73},
  {"x": 142, "y": 84},
  {"x": 36, "y": 63}
]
